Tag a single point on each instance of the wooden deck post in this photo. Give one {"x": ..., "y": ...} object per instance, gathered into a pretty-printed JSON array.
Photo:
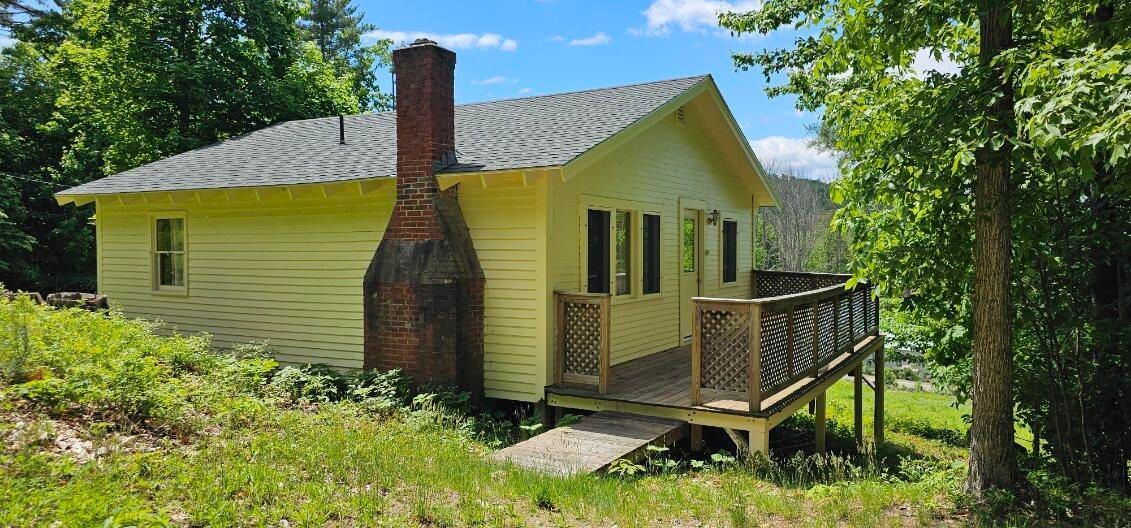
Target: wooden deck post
[
  {"x": 878, "y": 420},
  {"x": 760, "y": 441},
  {"x": 559, "y": 338},
  {"x": 819, "y": 423},
  {"x": 755, "y": 358},
  {"x": 696, "y": 437},
  {"x": 696, "y": 353},
  {"x": 858, "y": 404},
  {"x": 604, "y": 368}
]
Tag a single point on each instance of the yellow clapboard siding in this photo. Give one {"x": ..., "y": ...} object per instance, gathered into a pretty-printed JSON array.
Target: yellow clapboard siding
[
  {"x": 290, "y": 273},
  {"x": 501, "y": 222},
  {"x": 650, "y": 173}
]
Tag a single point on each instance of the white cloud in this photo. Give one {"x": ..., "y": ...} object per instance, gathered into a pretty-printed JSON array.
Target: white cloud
[
  {"x": 595, "y": 40},
  {"x": 556, "y": 38},
  {"x": 925, "y": 62},
  {"x": 7, "y": 41},
  {"x": 525, "y": 91},
  {"x": 781, "y": 153},
  {"x": 688, "y": 15},
  {"x": 448, "y": 40},
  {"x": 498, "y": 79}
]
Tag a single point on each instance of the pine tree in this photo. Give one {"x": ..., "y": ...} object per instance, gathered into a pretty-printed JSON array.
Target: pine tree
[{"x": 337, "y": 28}]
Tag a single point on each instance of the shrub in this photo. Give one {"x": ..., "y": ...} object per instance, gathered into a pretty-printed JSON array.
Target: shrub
[
  {"x": 108, "y": 367},
  {"x": 316, "y": 383}
]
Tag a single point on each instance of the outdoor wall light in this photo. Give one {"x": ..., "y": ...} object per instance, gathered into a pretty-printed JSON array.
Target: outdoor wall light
[{"x": 713, "y": 217}]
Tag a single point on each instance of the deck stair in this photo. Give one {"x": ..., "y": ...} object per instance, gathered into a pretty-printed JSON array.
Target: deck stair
[{"x": 593, "y": 443}]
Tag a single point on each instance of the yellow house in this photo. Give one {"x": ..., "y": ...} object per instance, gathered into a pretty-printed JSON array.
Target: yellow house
[{"x": 622, "y": 203}]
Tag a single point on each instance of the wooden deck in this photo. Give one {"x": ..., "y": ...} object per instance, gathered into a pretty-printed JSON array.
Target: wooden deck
[
  {"x": 659, "y": 385},
  {"x": 592, "y": 444},
  {"x": 663, "y": 379},
  {"x": 751, "y": 362}
]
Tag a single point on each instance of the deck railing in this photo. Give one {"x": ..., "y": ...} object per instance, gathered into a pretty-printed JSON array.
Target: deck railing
[
  {"x": 763, "y": 345},
  {"x": 582, "y": 339}
]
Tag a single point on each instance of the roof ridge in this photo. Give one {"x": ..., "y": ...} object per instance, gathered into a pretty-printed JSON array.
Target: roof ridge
[
  {"x": 572, "y": 92},
  {"x": 493, "y": 101}
]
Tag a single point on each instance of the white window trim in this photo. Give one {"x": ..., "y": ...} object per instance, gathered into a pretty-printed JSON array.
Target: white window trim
[
  {"x": 154, "y": 275},
  {"x": 636, "y": 251}
]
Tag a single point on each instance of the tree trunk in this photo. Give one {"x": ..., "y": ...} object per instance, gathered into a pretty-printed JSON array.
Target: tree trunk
[{"x": 992, "y": 462}]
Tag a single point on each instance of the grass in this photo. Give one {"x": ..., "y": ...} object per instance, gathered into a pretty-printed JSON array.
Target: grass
[
  {"x": 107, "y": 424},
  {"x": 341, "y": 467}
]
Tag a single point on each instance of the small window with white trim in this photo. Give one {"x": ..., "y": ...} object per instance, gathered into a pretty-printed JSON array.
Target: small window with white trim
[{"x": 169, "y": 256}]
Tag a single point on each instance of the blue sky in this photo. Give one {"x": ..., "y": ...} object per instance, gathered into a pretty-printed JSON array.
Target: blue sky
[{"x": 516, "y": 48}]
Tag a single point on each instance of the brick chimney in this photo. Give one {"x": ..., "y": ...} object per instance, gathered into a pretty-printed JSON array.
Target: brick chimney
[{"x": 424, "y": 287}]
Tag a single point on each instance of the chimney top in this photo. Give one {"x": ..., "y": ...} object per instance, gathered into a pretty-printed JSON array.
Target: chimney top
[{"x": 423, "y": 42}]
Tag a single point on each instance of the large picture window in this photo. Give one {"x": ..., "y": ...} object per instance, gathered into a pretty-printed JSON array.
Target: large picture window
[
  {"x": 651, "y": 253},
  {"x": 730, "y": 251},
  {"x": 169, "y": 257},
  {"x": 621, "y": 249}
]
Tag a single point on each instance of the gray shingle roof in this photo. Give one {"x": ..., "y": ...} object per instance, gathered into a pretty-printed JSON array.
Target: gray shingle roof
[{"x": 542, "y": 131}]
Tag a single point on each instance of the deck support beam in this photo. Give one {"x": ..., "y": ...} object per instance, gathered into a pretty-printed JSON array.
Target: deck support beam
[
  {"x": 878, "y": 420},
  {"x": 696, "y": 437},
  {"x": 819, "y": 422},
  {"x": 858, "y": 405},
  {"x": 741, "y": 446}
]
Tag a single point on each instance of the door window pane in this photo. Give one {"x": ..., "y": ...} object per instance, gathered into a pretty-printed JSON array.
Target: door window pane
[
  {"x": 651, "y": 250},
  {"x": 624, "y": 252},
  {"x": 688, "y": 244}
]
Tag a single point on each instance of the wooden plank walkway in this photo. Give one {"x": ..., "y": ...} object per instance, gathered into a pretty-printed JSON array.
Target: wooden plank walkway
[{"x": 593, "y": 443}]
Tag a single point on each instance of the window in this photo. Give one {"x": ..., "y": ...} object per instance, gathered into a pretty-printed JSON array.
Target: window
[
  {"x": 598, "y": 251},
  {"x": 169, "y": 253},
  {"x": 624, "y": 253},
  {"x": 730, "y": 251},
  {"x": 688, "y": 245},
  {"x": 651, "y": 253}
]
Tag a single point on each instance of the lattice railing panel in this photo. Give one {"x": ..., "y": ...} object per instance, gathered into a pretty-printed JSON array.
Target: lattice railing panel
[
  {"x": 725, "y": 359},
  {"x": 844, "y": 331},
  {"x": 770, "y": 283},
  {"x": 802, "y": 339},
  {"x": 826, "y": 337},
  {"x": 859, "y": 318},
  {"x": 775, "y": 353},
  {"x": 804, "y": 321},
  {"x": 582, "y": 339}
]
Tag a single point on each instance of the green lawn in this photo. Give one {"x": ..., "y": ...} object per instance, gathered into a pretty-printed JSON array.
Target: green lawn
[
  {"x": 339, "y": 467},
  {"x": 107, "y": 424}
]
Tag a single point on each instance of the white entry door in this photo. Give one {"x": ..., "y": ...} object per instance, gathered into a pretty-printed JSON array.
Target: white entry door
[{"x": 690, "y": 251}]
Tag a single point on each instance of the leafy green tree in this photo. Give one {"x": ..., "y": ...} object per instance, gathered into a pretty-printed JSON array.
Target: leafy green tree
[
  {"x": 956, "y": 199},
  {"x": 337, "y": 28},
  {"x": 99, "y": 87},
  {"x": 147, "y": 79},
  {"x": 43, "y": 247}
]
